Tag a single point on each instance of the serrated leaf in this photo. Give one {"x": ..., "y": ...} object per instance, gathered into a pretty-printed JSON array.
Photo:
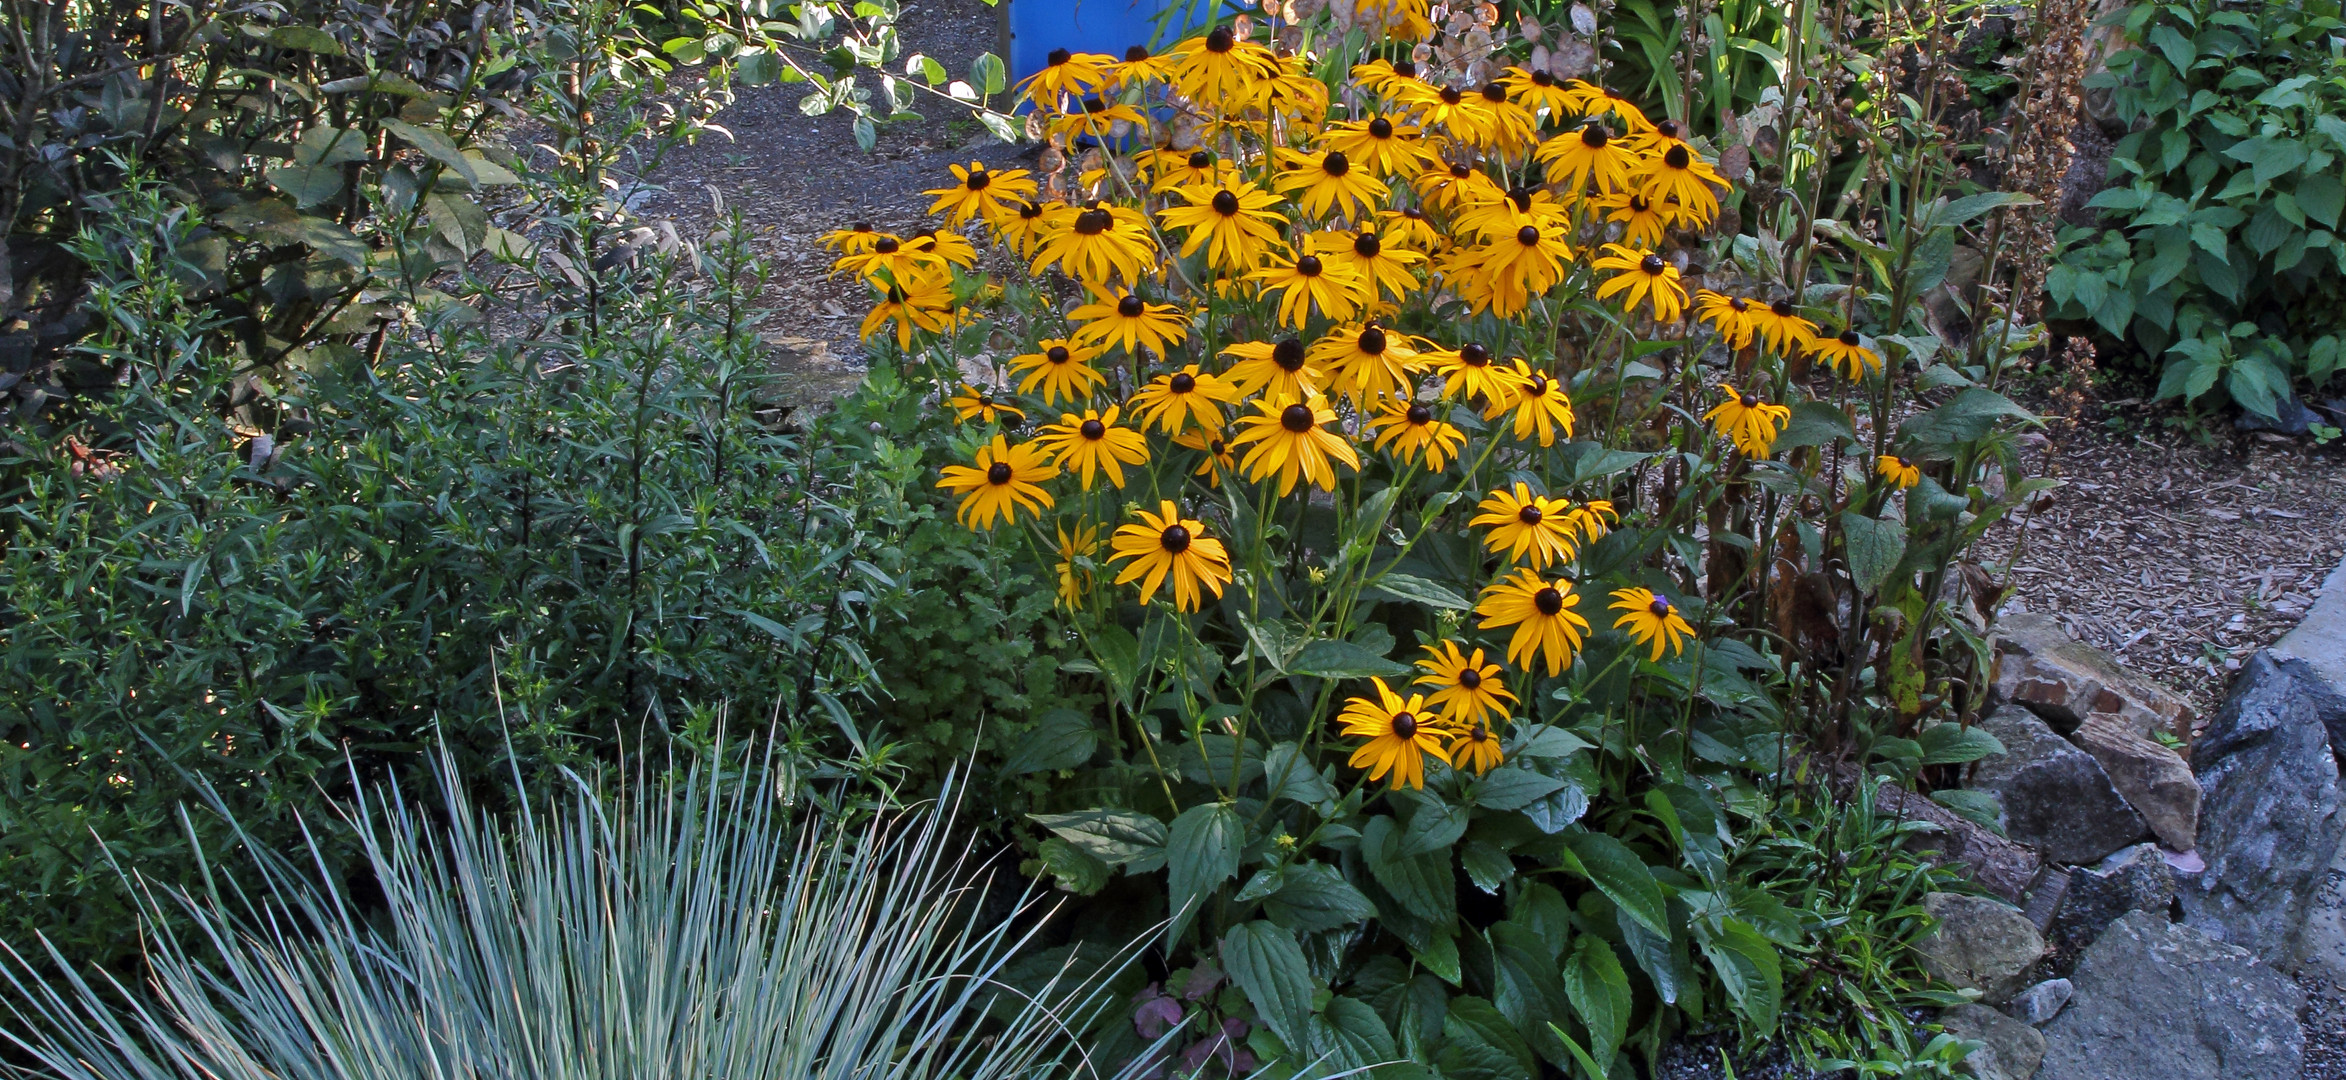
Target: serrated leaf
[
  {"x": 328, "y": 145},
  {"x": 1622, "y": 877},
  {"x": 1267, "y": 964},
  {"x": 1060, "y": 739},
  {"x": 1599, "y": 991},
  {"x": 1815, "y": 423},
  {"x": 1313, "y": 897},
  {"x": 1486, "y": 866},
  {"x": 1510, "y": 787},
  {"x": 1968, "y": 416},
  {"x": 1749, "y": 968},
  {"x": 1475, "y": 1019},
  {"x": 1955, "y": 744},
  {"x": 1433, "y": 827},
  {"x": 1423, "y": 885},
  {"x": 309, "y": 185},
  {"x": 436, "y": 145},
  {"x": 1874, "y": 547},
  {"x": 1328, "y": 658},
  {"x": 1200, "y": 855},
  {"x": 1978, "y": 807},
  {"x": 1115, "y": 837},
  {"x": 305, "y": 39},
  {"x": 1417, "y": 590},
  {"x": 1291, "y": 776}
]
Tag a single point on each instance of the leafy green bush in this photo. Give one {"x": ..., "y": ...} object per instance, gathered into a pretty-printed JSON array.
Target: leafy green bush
[
  {"x": 2224, "y": 259},
  {"x": 681, "y": 927},
  {"x": 597, "y": 532}
]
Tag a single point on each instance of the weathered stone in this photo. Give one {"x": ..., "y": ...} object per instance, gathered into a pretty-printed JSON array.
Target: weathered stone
[
  {"x": 2325, "y": 926},
  {"x": 1980, "y": 944},
  {"x": 2157, "y": 1001},
  {"x": 2011, "y": 1049},
  {"x": 2065, "y": 680},
  {"x": 1993, "y": 862},
  {"x": 2135, "y": 879},
  {"x": 2039, "y": 1004},
  {"x": 2269, "y": 813},
  {"x": 2315, "y": 653},
  {"x": 2055, "y": 797},
  {"x": 2155, "y": 780}
]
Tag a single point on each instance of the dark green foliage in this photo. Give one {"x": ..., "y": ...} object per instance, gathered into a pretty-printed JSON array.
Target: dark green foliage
[
  {"x": 553, "y": 544},
  {"x": 2223, "y": 259}
]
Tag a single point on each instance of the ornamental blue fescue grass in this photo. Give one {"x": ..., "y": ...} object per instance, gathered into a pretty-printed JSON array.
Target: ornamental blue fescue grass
[{"x": 694, "y": 925}]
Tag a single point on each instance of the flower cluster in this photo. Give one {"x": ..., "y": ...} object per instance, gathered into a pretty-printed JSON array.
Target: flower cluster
[{"x": 1244, "y": 294}]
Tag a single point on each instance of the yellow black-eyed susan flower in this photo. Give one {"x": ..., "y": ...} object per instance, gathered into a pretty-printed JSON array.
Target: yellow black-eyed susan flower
[
  {"x": 981, "y": 193},
  {"x": 1731, "y": 316},
  {"x": 1310, "y": 283},
  {"x": 1469, "y": 375},
  {"x": 1397, "y": 79},
  {"x": 1096, "y": 244},
  {"x": 1541, "y": 407},
  {"x": 1450, "y": 187},
  {"x": 1367, "y": 362},
  {"x": 1387, "y": 270},
  {"x": 1401, "y": 734},
  {"x": 1065, "y": 73},
  {"x": 1075, "y": 550},
  {"x": 1130, "y": 322},
  {"x": 1538, "y": 91},
  {"x": 1596, "y": 102},
  {"x": 1166, "y": 545},
  {"x": 1219, "y": 68},
  {"x": 1061, "y": 368},
  {"x": 1236, "y": 225},
  {"x": 1290, "y": 440},
  {"x": 1093, "y": 444},
  {"x": 979, "y": 405},
  {"x": 1005, "y": 480},
  {"x": 1526, "y": 524},
  {"x": 925, "y": 302},
  {"x": 1846, "y": 354},
  {"x": 1021, "y": 230},
  {"x": 1408, "y": 227},
  {"x": 1540, "y": 610},
  {"x": 1507, "y": 126},
  {"x": 1381, "y": 146},
  {"x": 1642, "y": 277},
  {"x": 941, "y": 248},
  {"x": 1414, "y": 434},
  {"x": 1522, "y": 266},
  {"x": 1643, "y": 222},
  {"x": 1898, "y": 472},
  {"x": 1139, "y": 68},
  {"x": 885, "y": 258},
  {"x": 1279, "y": 371},
  {"x": 1651, "y": 620},
  {"x": 1460, "y": 115},
  {"x": 1783, "y": 330},
  {"x": 1329, "y": 184},
  {"x": 1748, "y": 422},
  {"x": 1481, "y": 217},
  {"x": 1466, "y": 690},
  {"x": 1591, "y": 155},
  {"x": 1173, "y": 402},
  {"x": 1475, "y": 748},
  {"x": 1677, "y": 175},
  {"x": 1217, "y": 459},
  {"x": 1196, "y": 168},
  {"x": 856, "y": 239}
]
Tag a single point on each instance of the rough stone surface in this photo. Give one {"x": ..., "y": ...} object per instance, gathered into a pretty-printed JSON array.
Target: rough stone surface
[
  {"x": 2011, "y": 1049},
  {"x": 1979, "y": 943},
  {"x": 2064, "y": 680},
  {"x": 2325, "y": 927},
  {"x": 2155, "y": 780},
  {"x": 2315, "y": 653},
  {"x": 2056, "y": 797},
  {"x": 2039, "y": 1004},
  {"x": 2269, "y": 814},
  {"x": 2135, "y": 879},
  {"x": 1993, "y": 862},
  {"x": 2158, "y": 1001}
]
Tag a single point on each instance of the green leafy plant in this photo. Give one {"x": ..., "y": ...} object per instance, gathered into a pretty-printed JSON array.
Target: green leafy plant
[
  {"x": 2223, "y": 261},
  {"x": 704, "y": 922}
]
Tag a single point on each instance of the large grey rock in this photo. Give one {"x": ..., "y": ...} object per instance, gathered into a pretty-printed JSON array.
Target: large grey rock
[
  {"x": 2325, "y": 926},
  {"x": 2010, "y": 1050},
  {"x": 1979, "y": 944},
  {"x": 2135, "y": 879},
  {"x": 2158, "y": 1001},
  {"x": 2153, "y": 779},
  {"x": 2039, "y": 1004},
  {"x": 2315, "y": 654},
  {"x": 2055, "y": 796},
  {"x": 2269, "y": 813}
]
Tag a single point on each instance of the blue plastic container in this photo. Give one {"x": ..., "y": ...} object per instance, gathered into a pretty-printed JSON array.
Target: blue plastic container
[{"x": 1032, "y": 28}]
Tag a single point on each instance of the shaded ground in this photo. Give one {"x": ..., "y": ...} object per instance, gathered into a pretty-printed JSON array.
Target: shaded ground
[
  {"x": 796, "y": 177},
  {"x": 2178, "y": 558}
]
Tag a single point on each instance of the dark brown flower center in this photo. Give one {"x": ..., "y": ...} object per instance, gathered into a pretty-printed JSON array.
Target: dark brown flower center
[
  {"x": 1659, "y": 607},
  {"x": 1530, "y": 515},
  {"x": 1057, "y": 57},
  {"x": 1413, "y": 213},
  {"x": 1136, "y": 53},
  {"x": 1225, "y": 204},
  {"x": 1221, "y": 40},
  {"x": 1652, "y": 265},
  {"x": 1058, "y": 354},
  {"x": 1494, "y": 93},
  {"x": 1404, "y": 68},
  {"x": 1093, "y": 429},
  {"x": 1677, "y": 158},
  {"x": 1849, "y": 338},
  {"x": 1478, "y": 733},
  {"x": 1749, "y": 400},
  {"x": 1093, "y": 222},
  {"x": 1419, "y": 414},
  {"x": 1308, "y": 266},
  {"x": 1472, "y": 354},
  {"x": 1405, "y": 725},
  {"x": 1175, "y": 538},
  {"x": 1595, "y": 136},
  {"x": 1297, "y": 418},
  {"x": 1380, "y": 128},
  {"x": 1336, "y": 164},
  {"x": 1372, "y": 340},
  {"x": 1365, "y": 245},
  {"x": 1638, "y": 204},
  {"x": 1542, "y": 78},
  {"x": 886, "y": 245},
  {"x": 1030, "y": 211},
  {"x": 1667, "y": 129},
  {"x": 1130, "y": 307},
  {"x": 1451, "y": 96},
  {"x": 1469, "y": 678},
  {"x": 1738, "y": 303},
  {"x": 998, "y": 473},
  {"x": 1528, "y": 236},
  {"x": 1781, "y": 308},
  {"x": 978, "y": 179},
  {"x": 1539, "y": 386},
  {"x": 1288, "y": 354},
  {"x": 1548, "y": 600},
  {"x": 1182, "y": 382},
  {"x": 1201, "y": 160},
  {"x": 861, "y": 226}
]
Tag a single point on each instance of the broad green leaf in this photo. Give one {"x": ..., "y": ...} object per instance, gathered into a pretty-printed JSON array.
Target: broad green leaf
[
  {"x": 1115, "y": 837},
  {"x": 1874, "y": 546},
  {"x": 1550, "y": 741},
  {"x": 1265, "y": 962},
  {"x": 309, "y": 185},
  {"x": 1075, "y": 869},
  {"x": 1061, "y": 739},
  {"x": 326, "y": 145},
  {"x": 1599, "y": 990},
  {"x": 1314, "y": 896},
  {"x": 1512, "y": 787},
  {"x": 458, "y": 220},
  {"x": 987, "y": 74},
  {"x": 1475, "y": 1019},
  {"x": 1352, "y": 1034},
  {"x": 1749, "y": 968},
  {"x": 305, "y": 39},
  {"x": 1656, "y": 955},
  {"x": 1433, "y": 827},
  {"x": 2322, "y": 197},
  {"x": 1328, "y": 658},
  {"x": 1486, "y": 865},
  {"x": 1963, "y": 210},
  {"x": 1955, "y": 744},
  {"x": 435, "y": 144},
  {"x": 1622, "y": 877},
  {"x": 1201, "y": 854},
  {"x": 1424, "y": 885},
  {"x": 1118, "y": 654},
  {"x": 1978, "y": 807},
  {"x": 1970, "y": 415},
  {"x": 1290, "y": 775},
  {"x": 1417, "y": 590},
  {"x": 1815, "y": 423}
]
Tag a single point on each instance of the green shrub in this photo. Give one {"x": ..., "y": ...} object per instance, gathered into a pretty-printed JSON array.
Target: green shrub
[
  {"x": 535, "y": 546},
  {"x": 2223, "y": 260}
]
